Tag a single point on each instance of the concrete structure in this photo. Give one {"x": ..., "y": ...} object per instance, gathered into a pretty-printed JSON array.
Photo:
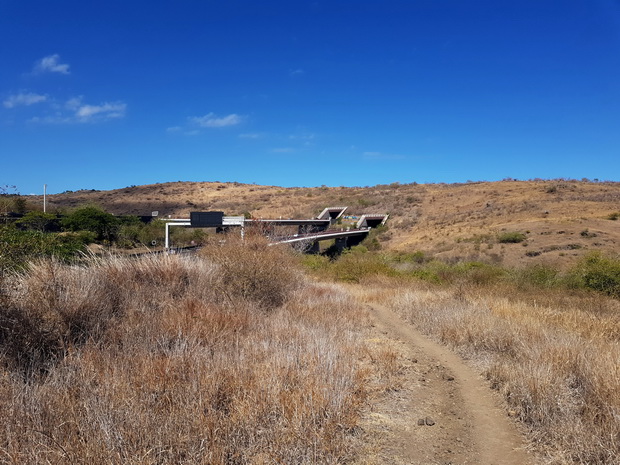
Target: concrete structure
[
  {"x": 343, "y": 239},
  {"x": 303, "y": 226},
  {"x": 371, "y": 221},
  {"x": 332, "y": 214},
  {"x": 227, "y": 221},
  {"x": 309, "y": 232}
]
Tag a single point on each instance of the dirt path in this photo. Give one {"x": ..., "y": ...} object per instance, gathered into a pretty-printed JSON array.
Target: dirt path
[{"x": 439, "y": 411}]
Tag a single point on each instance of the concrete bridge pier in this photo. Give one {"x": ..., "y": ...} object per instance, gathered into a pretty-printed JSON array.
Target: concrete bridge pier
[
  {"x": 315, "y": 248},
  {"x": 341, "y": 244}
]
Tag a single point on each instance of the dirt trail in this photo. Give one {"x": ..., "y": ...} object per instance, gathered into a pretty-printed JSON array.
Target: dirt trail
[{"x": 442, "y": 412}]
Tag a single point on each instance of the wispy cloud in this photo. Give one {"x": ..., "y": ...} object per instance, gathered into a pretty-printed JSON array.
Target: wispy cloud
[
  {"x": 296, "y": 72},
  {"x": 211, "y": 120},
  {"x": 381, "y": 156},
  {"x": 283, "y": 150},
  {"x": 23, "y": 98},
  {"x": 105, "y": 111},
  {"x": 84, "y": 113},
  {"x": 51, "y": 64},
  {"x": 75, "y": 110}
]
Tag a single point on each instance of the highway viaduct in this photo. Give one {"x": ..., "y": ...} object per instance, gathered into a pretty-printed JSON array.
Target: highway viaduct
[{"x": 309, "y": 231}]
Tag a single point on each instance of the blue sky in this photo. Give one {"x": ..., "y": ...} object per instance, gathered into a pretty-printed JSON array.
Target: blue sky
[{"x": 102, "y": 95}]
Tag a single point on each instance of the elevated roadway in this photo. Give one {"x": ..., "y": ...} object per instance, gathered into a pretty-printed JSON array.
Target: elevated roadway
[{"x": 343, "y": 239}]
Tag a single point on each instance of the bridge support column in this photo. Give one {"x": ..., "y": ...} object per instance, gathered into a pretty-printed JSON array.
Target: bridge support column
[
  {"x": 314, "y": 248},
  {"x": 341, "y": 244}
]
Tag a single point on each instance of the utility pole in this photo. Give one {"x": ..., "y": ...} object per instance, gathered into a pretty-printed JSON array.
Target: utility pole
[{"x": 44, "y": 197}]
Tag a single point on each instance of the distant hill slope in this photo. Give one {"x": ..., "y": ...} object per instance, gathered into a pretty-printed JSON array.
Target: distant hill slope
[{"x": 560, "y": 219}]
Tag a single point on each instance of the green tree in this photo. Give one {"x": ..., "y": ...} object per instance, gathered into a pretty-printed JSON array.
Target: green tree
[
  {"x": 39, "y": 221},
  {"x": 20, "y": 205},
  {"x": 94, "y": 219}
]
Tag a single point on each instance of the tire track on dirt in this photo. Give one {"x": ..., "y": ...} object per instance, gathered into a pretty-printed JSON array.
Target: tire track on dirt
[{"x": 448, "y": 416}]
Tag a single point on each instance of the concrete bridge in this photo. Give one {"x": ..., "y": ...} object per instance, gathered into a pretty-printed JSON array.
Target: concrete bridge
[
  {"x": 309, "y": 231},
  {"x": 310, "y": 242}
]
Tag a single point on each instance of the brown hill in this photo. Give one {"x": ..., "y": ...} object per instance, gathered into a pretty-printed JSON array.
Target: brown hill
[{"x": 560, "y": 219}]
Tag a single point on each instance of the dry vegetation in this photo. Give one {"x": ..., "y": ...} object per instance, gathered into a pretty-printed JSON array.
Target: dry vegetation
[
  {"x": 112, "y": 362},
  {"x": 561, "y": 219},
  {"x": 554, "y": 357},
  {"x": 168, "y": 359}
]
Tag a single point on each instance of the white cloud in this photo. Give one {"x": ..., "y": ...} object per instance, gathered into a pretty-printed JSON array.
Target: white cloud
[
  {"x": 75, "y": 111},
  {"x": 211, "y": 120},
  {"x": 103, "y": 111},
  {"x": 23, "y": 99},
  {"x": 296, "y": 72},
  {"x": 174, "y": 129},
  {"x": 283, "y": 150},
  {"x": 50, "y": 64}
]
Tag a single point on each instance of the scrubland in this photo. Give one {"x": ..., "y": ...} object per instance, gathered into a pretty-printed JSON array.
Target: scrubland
[
  {"x": 552, "y": 352},
  {"x": 231, "y": 357},
  {"x": 237, "y": 357},
  {"x": 560, "y": 219}
]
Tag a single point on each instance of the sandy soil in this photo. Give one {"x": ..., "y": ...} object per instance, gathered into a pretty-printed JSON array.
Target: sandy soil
[{"x": 436, "y": 409}]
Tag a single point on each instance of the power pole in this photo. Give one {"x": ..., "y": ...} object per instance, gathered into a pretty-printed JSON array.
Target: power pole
[{"x": 44, "y": 197}]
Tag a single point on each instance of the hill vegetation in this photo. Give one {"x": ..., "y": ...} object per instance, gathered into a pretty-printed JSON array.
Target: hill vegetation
[{"x": 555, "y": 221}]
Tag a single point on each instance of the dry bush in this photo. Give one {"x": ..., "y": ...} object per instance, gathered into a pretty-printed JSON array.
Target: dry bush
[
  {"x": 250, "y": 270},
  {"x": 161, "y": 370},
  {"x": 558, "y": 368}
]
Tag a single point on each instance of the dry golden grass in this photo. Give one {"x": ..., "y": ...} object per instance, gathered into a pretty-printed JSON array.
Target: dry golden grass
[
  {"x": 557, "y": 366},
  {"x": 141, "y": 361},
  {"x": 561, "y": 219}
]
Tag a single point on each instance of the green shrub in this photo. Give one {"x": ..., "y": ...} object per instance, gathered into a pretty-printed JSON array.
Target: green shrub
[
  {"x": 39, "y": 221},
  {"x": 512, "y": 237},
  {"x": 18, "y": 247},
  {"x": 536, "y": 276},
  {"x": 187, "y": 236},
  {"x": 315, "y": 262},
  {"x": 355, "y": 264},
  {"x": 479, "y": 273},
  {"x": 613, "y": 216},
  {"x": 153, "y": 231},
  {"x": 418, "y": 257},
  {"x": 599, "y": 273},
  {"x": 94, "y": 219}
]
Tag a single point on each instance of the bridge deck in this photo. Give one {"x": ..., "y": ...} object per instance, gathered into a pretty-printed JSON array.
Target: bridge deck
[{"x": 321, "y": 236}]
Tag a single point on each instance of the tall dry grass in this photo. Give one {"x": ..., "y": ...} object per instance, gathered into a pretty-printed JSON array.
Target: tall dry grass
[
  {"x": 165, "y": 359},
  {"x": 558, "y": 366}
]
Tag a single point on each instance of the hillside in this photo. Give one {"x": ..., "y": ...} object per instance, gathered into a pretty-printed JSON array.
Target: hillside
[{"x": 561, "y": 219}]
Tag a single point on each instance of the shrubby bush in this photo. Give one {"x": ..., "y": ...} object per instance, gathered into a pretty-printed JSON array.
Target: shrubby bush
[
  {"x": 17, "y": 247},
  {"x": 512, "y": 237},
  {"x": 248, "y": 270},
  {"x": 539, "y": 275},
  {"x": 599, "y": 273},
  {"x": 94, "y": 219},
  {"x": 39, "y": 221}
]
